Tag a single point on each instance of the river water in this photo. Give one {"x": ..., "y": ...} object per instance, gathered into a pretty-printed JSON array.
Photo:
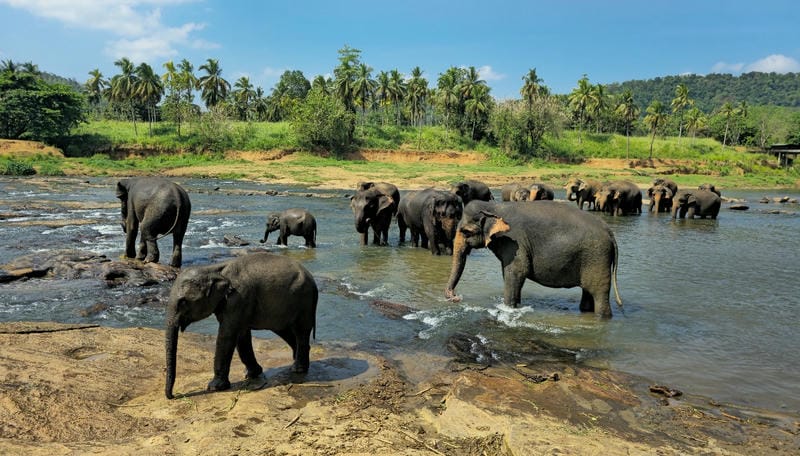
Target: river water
[{"x": 710, "y": 306}]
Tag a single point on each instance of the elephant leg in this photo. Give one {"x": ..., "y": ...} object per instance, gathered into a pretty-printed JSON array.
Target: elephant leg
[
  {"x": 401, "y": 225},
  {"x": 302, "y": 359},
  {"x": 226, "y": 344},
  {"x": 513, "y": 279},
  {"x": 423, "y": 240},
  {"x": 310, "y": 241},
  {"x": 364, "y": 237},
  {"x": 288, "y": 336},
  {"x": 587, "y": 302},
  {"x": 148, "y": 246},
  {"x": 244, "y": 346},
  {"x": 177, "y": 249},
  {"x": 132, "y": 229}
]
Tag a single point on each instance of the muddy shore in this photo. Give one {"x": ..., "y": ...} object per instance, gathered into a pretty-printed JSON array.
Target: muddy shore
[{"x": 78, "y": 389}]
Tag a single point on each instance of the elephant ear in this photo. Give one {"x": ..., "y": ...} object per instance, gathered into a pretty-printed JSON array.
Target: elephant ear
[
  {"x": 691, "y": 199},
  {"x": 651, "y": 191},
  {"x": 385, "y": 202},
  {"x": 122, "y": 189},
  {"x": 493, "y": 225}
]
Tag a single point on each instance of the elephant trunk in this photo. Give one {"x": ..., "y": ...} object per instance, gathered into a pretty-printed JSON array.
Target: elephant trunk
[
  {"x": 460, "y": 252},
  {"x": 266, "y": 235},
  {"x": 656, "y": 204},
  {"x": 172, "y": 352}
]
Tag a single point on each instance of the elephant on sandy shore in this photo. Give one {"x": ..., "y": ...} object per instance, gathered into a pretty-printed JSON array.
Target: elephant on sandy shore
[
  {"x": 253, "y": 292},
  {"x": 295, "y": 222},
  {"x": 155, "y": 207},
  {"x": 553, "y": 244}
]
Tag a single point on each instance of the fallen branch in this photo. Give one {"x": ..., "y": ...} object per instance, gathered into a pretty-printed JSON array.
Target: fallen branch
[{"x": 293, "y": 421}]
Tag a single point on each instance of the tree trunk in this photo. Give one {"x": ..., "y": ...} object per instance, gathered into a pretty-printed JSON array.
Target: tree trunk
[{"x": 652, "y": 140}]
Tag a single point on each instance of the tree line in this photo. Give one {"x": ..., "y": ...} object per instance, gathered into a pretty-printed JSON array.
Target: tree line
[{"x": 331, "y": 112}]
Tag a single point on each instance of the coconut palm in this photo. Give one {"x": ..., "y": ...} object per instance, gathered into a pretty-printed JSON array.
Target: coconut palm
[
  {"x": 417, "y": 94},
  {"x": 477, "y": 105},
  {"x": 695, "y": 121},
  {"x": 655, "y": 119},
  {"x": 364, "y": 88},
  {"x": 579, "y": 100},
  {"x": 727, "y": 111},
  {"x": 679, "y": 103},
  {"x": 447, "y": 95},
  {"x": 629, "y": 111},
  {"x": 382, "y": 93},
  {"x": 471, "y": 80},
  {"x": 148, "y": 90},
  {"x": 95, "y": 86},
  {"x": 123, "y": 86},
  {"x": 397, "y": 92},
  {"x": 188, "y": 81},
  {"x": 532, "y": 87},
  {"x": 214, "y": 88},
  {"x": 598, "y": 104},
  {"x": 322, "y": 84},
  {"x": 243, "y": 95}
]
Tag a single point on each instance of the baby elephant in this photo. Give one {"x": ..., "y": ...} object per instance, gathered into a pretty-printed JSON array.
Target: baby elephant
[
  {"x": 256, "y": 291},
  {"x": 297, "y": 222}
]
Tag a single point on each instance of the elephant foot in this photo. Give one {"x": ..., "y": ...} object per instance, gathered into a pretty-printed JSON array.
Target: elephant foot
[
  {"x": 299, "y": 368},
  {"x": 254, "y": 373},
  {"x": 218, "y": 385},
  {"x": 151, "y": 259}
]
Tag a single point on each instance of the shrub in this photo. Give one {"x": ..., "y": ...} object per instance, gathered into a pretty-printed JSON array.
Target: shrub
[
  {"x": 322, "y": 121},
  {"x": 18, "y": 168}
]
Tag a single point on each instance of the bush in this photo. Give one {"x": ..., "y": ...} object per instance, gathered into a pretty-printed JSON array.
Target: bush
[
  {"x": 322, "y": 121},
  {"x": 18, "y": 168}
]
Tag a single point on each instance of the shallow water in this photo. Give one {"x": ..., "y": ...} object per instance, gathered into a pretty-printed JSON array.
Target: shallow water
[{"x": 710, "y": 306}]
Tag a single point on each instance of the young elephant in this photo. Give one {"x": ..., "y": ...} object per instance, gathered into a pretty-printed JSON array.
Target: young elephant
[
  {"x": 295, "y": 222},
  {"x": 515, "y": 192},
  {"x": 691, "y": 203},
  {"x": 470, "y": 190},
  {"x": 541, "y": 192},
  {"x": 582, "y": 191},
  {"x": 374, "y": 205},
  {"x": 256, "y": 291},
  {"x": 431, "y": 215},
  {"x": 156, "y": 207},
  {"x": 553, "y": 244}
]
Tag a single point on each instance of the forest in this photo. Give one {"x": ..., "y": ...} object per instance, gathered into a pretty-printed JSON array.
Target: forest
[{"x": 342, "y": 112}]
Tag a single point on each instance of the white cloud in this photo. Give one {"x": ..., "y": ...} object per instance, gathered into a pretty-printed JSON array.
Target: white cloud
[
  {"x": 137, "y": 24},
  {"x": 275, "y": 73},
  {"x": 724, "y": 67},
  {"x": 775, "y": 63},
  {"x": 488, "y": 74}
]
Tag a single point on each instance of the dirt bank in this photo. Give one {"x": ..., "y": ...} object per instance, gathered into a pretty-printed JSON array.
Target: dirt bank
[{"x": 83, "y": 389}]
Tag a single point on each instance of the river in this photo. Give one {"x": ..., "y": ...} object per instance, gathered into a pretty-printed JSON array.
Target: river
[{"x": 710, "y": 306}]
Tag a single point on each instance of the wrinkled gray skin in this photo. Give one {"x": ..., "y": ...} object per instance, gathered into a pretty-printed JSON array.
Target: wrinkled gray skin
[
  {"x": 156, "y": 207},
  {"x": 432, "y": 216},
  {"x": 710, "y": 187},
  {"x": 700, "y": 203},
  {"x": 374, "y": 205},
  {"x": 582, "y": 191},
  {"x": 253, "y": 292},
  {"x": 515, "y": 192},
  {"x": 470, "y": 190},
  {"x": 670, "y": 184},
  {"x": 619, "y": 198},
  {"x": 294, "y": 222},
  {"x": 541, "y": 192},
  {"x": 660, "y": 198},
  {"x": 553, "y": 244}
]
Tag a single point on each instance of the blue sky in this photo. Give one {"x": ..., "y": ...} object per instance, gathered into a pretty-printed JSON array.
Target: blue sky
[{"x": 609, "y": 41}]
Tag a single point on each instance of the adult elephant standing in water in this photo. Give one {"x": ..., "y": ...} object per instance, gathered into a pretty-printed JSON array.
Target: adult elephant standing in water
[
  {"x": 156, "y": 207},
  {"x": 431, "y": 215},
  {"x": 374, "y": 205},
  {"x": 553, "y": 244}
]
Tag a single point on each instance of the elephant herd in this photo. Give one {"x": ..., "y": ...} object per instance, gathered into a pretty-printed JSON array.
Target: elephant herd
[
  {"x": 624, "y": 198},
  {"x": 533, "y": 237}
]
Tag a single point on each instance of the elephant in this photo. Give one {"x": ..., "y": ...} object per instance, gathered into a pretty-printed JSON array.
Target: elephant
[
  {"x": 582, "y": 191},
  {"x": 470, "y": 190},
  {"x": 295, "y": 221},
  {"x": 541, "y": 192},
  {"x": 710, "y": 187},
  {"x": 670, "y": 184},
  {"x": 252, "y": 292},
  {"x": 156, "y": 207},
  {"x": 515, "y": 192},
  {"x": 619, "y": 198},
  {"x": 553, "y": 244},
  {"x": 431, "y": 215},
  {"x": 691, "y": 203},
  {"x": 660, "y": 198},
  {"x": 374, "y": 205}
]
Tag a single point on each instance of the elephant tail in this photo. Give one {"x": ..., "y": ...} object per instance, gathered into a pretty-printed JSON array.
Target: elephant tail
[
  {"x": 614, "y": 267},
  {"x": 174, "y": 223}
]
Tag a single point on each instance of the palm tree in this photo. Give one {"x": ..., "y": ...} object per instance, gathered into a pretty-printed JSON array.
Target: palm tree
[
  {"x": 727, "y": 111},
  {"x": 477, "y": 105},
  {"x": 123, "y": 86},
  {"x": 629, "y": 111},
  {"x": 148, "y": 89},
  {"x": 598, "y": 104},
  {"x": 579, "y": 100},
  {"x": 447, "y": 94},
  {"x": 383, "y": 93},
  {"x": 188, "y": 81},
  {"x": 679, "y": 103},
  {"x": 260, "y": 103},
  {"x": 364, "y": 88},
  {"x": 471, "y": 79},
  {"x": 30, "y": 68},
  {"x": 655, "y": 119},
  {"x": 95, "y": 87},
  {"x": 397, "y": 92},
  {"x": 242, "y": 95},
  {"x": 417, "y": 95},
  {"x": 531, "y": 89},
  {"x": 741, "y": 111},
  {"x": 8, "y": 66},
  {"x": 214, "y": 88},
  {"x": 695, "y": 121},
  {"x": 322, "y": 83}
]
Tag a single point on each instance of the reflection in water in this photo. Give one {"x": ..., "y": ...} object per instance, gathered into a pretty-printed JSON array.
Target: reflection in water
[{"x": 710, "y": 305}]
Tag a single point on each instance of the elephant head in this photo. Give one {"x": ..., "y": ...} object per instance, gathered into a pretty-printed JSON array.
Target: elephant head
[
  {"x": 573, "y": 187},
  {"x": 462, "y": 190},
  {"x": 446, "y": 210},
  {"x": 684, "y": 201},
  {"x": 603, "y": 200},
  {"x": 122, "y": 194},
  {"x": 660, "y": 196},
  {"x": 521, "y": 194},
  {"x": 478, "y": 227},
  {"x": 710, "y": 187},
  {"x": 369, "y": 204},
  {"x": 195, "y": 295},
  {"x": 273, "y": 224}
]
